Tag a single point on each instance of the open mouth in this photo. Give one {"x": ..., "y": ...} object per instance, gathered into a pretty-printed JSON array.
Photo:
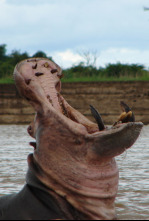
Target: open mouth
[{"x": 38, "y": 80}]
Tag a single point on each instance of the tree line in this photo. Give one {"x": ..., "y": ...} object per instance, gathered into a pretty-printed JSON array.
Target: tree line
[
  {"x": 8, "y": 62},
  {"x": 86, "y": 68}
]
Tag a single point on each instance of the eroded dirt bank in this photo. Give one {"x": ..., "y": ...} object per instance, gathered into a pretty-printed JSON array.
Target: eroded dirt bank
[{"x": 105, "y": 96}]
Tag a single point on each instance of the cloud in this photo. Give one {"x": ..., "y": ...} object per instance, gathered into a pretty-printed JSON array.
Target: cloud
[
  {"x": 112, "y": 55},
  {"x": 124, "y": 55},
  {"x": 67, "y": 58},
  {"x": 63, "y": 27}
]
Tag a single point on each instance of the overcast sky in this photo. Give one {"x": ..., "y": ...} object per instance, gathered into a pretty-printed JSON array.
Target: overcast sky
[{"x": 117, "y": 29}]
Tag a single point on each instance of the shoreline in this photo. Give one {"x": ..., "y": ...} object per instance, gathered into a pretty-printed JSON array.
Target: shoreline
[{"x": 104, "y": 96}]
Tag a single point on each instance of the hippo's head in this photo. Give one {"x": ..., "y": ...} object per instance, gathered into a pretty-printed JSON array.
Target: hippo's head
[{"x": 72, "y": 156}]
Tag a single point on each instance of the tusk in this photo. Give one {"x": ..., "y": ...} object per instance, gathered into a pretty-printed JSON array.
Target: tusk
[
  {"x": 126, "y": 116},
  {"x": 98, "y": 118}
]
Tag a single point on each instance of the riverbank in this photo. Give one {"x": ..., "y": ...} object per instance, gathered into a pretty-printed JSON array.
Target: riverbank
[{"x": 105, "y": 96}]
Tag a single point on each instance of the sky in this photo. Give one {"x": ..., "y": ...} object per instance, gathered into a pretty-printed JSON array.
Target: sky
[{"x": 118, "y": 30}]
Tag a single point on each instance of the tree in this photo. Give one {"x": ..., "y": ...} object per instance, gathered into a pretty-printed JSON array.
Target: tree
[
  {"x": 40, "y": 54},
  {"x": 16, "y": 57},
  {"x": 2, "y": 52},
  {"x": 90, "y": 57},
  {"x": 5, "y": 69}
]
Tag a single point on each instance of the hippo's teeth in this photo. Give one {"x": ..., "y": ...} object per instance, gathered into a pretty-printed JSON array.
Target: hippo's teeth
[
  {"x": 125, "y": 107},
  {"x": 50, "y": 99},
  {"x": 122, "y": 117},
  {"x": 34, "y": 66},
  {"x": 129, "y": 117},
  {"x": 27, "y": 81},
  {"x": 98, "y": 118},
  {"x": 53, "y": 71},
  {"x": 38, "y": 74},
  {"x": 132, "y": 118},
  {"x": 126, "y": 116},
  {"x": 64, "y": 110}
]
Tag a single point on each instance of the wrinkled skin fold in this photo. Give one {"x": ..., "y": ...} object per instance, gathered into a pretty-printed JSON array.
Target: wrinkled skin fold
[{"x": 72, "y": 156}]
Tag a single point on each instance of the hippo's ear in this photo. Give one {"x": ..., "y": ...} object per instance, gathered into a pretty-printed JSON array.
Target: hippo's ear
[{"x": 115, "y": 141}]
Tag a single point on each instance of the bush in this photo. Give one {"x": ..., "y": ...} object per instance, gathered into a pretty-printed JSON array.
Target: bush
[
  {"x": 81, "y": 71},
  {"x": 121, "y": 70},
  {"x": 6, "y": 69}
]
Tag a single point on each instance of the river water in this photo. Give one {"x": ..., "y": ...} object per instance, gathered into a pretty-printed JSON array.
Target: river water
[{"x": 133, "y": 198}]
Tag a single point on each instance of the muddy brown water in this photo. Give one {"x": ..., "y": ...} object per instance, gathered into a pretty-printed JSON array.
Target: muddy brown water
[{"x": 133, "y": 197}]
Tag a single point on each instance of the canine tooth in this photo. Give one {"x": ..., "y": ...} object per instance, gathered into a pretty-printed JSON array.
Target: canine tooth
[
  {"x": 130, "y": 115},
  {"x": 122, "y": 116},
  {"x": 125, "y": 107},
  {"x": 126, "y": 116},
  {"x": 98, "y": 118}
]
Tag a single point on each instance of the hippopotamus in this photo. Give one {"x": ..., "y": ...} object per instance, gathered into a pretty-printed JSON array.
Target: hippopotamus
[{"x": 72, "y": 172}]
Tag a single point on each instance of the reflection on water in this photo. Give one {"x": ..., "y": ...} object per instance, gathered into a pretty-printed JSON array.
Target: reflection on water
[{"x": 133, "y": 197}]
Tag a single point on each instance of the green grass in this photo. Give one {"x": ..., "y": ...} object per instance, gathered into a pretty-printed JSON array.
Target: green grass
[
  {"x": 105, "y": 79},
  {"x": 7, "y": 80}
]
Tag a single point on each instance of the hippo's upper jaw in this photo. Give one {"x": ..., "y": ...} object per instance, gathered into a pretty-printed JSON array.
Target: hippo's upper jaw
[
  {"x": 38, "y": 80},
  {"x": 74, "y": 158}
]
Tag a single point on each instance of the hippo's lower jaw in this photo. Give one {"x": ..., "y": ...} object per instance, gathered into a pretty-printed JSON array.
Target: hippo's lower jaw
[{"x": 73, "y": 157}]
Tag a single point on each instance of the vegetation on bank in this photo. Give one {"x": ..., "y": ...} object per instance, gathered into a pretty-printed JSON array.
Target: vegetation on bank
[{"x": 83, "y": 72}]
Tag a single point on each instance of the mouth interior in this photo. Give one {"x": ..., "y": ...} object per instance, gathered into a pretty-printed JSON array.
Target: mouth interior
[{"x": 60, "y": 105}]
